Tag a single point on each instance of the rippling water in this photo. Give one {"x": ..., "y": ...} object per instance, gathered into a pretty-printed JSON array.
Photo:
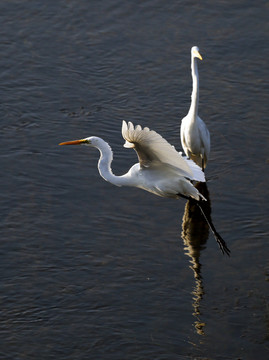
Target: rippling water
[{"x": 92, "y": 271}]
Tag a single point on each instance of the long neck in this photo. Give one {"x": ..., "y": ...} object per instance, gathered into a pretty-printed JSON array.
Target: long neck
[
  {"x": 195, "y": 88},
  {"x": 104, "y": 166}
]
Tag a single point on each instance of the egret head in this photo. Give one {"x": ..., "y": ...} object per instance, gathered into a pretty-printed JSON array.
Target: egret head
[{"x": 195, "y": 52}]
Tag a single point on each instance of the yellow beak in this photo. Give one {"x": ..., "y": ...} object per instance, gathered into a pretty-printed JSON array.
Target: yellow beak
[{"x": 197, "y": 54}]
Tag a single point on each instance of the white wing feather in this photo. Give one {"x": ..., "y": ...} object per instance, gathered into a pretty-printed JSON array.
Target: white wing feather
[{"x": 152, "y": 147}]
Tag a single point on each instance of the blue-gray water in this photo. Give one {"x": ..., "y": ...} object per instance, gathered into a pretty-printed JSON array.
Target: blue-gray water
[{"x": 93, "y": 271}]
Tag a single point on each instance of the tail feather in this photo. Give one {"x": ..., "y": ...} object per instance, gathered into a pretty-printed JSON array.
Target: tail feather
[{"x": 198, "y": 173}]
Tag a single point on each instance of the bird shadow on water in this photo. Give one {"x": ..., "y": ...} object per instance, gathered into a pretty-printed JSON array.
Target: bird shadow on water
[{"x": 195, "y": 232}]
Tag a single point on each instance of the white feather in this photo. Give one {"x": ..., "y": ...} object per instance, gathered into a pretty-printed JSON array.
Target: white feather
[{"x": 152, "y": 146}]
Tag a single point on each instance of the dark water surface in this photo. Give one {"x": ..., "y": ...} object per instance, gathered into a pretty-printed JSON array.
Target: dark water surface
[{"x": 93, "y": 271}]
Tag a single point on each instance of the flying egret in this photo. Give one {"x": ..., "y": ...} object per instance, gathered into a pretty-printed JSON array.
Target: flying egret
[
  {"x": 161, "y": 169},
  {"x": 195, "y": 137}
]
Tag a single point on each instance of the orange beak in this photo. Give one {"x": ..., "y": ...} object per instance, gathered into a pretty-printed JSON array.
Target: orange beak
[{"x": 74, "y": 142}]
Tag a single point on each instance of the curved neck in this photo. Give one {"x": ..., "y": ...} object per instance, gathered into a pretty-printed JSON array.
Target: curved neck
[
  {"x": 195, "y": 88},
  {"x": 104, "y": 165}
]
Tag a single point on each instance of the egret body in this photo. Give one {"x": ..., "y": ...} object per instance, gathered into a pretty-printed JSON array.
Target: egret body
[
  {"x": 161, "y": 170},
  {"x": 195, "y": 137}
]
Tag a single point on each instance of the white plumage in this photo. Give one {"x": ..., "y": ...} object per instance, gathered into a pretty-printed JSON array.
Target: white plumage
[
  {"x": 152, "y": 147},
  {"x": 161, "y": 169},
  {"x": 195, "y": 137}
]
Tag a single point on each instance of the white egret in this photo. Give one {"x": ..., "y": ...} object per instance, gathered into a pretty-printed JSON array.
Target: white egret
[
  {"x": 161, "y": 169},
  {"x": 195, "y": 137}
]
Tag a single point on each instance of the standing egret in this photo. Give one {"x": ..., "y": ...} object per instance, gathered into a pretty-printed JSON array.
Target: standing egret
[
  {"x": 195, "y": 137},
  {"x": 161, "y": 169}
]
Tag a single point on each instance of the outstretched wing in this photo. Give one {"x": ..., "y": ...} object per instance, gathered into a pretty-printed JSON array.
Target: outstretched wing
[{"x": 152, "y": 147}]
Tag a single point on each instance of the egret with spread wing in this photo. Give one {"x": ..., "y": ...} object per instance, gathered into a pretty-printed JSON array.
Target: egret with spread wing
[
  {"x": 161, "y": 169},
  {"x": 195, "y": 137}
]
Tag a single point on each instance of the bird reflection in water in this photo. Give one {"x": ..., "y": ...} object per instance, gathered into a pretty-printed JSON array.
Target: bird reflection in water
[{"x": 195, "y": 232}]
